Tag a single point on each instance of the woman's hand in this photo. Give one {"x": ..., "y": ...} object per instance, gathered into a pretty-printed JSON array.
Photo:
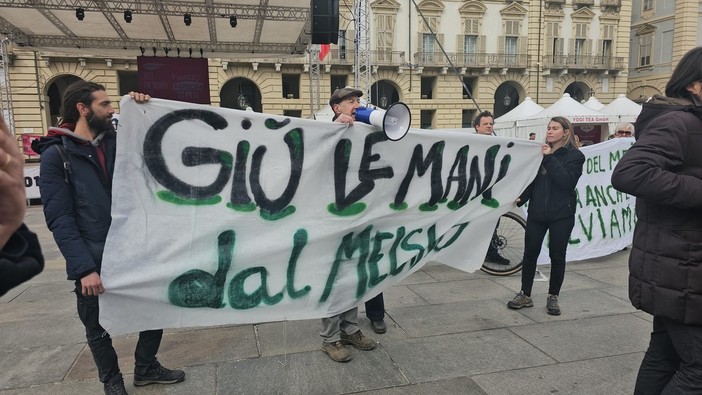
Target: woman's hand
[{"x": 546, "y": 149}]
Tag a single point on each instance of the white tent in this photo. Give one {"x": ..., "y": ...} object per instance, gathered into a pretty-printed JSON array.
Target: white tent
[
  {"x": 621, "y": 109},
  {"x": 524, "y": 110},
  {"x": 582, "y": 117},
  {"x": 593, "y": 103}
]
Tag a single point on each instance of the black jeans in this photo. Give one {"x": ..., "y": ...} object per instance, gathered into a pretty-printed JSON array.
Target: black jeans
[
  {"x": 559, "y": 233},
  {"x": 100, "y": 342},
  {"x": 375, "y": 308},
  {"x": 673, "y": 362}
]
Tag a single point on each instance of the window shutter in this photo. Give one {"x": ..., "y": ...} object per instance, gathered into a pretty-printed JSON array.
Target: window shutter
[
  {"x": 550, "y": 46},
  {"x": 560, "y": 46},
  {"x": 420, "y": 42},
  {"x": 501, "y": 44},
  {"x": 440, "y": 39},
  {"x": 481, "y": 44},
  {"x": 571, "y": 46},
  {"x": 588, "y": 47}
]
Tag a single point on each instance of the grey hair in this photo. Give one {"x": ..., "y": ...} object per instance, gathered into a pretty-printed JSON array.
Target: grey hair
[{"x": 625, "y": 126}]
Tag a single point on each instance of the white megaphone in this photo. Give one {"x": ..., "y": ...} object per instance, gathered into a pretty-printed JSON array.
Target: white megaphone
[{"x": 395, "y": 121}]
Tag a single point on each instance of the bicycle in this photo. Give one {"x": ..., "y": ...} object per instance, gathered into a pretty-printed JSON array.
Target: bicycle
[{"x": 509, "y": 244}]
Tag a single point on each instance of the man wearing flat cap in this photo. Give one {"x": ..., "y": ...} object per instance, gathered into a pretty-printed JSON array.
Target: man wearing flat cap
[
  {"x": 344, "y": 102},
  {"x": 342, "y": 328}
]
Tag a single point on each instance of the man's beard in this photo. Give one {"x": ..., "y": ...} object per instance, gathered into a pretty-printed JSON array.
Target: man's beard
[{"x": 99, "y": 124}]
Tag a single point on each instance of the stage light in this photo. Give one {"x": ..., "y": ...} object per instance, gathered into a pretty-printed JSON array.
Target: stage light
[
  {"x": 80, "y": 13},
  {"x": 232, "y": 21},
  {"x": 128, "y": 16},
  {"x": 142, "y": 49},
  {"x": 187, "y": 20},
  {"x": 201, "y": 53}
]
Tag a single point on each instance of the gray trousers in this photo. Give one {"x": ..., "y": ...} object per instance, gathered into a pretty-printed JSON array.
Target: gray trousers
[{"x": 346, "y": 322}]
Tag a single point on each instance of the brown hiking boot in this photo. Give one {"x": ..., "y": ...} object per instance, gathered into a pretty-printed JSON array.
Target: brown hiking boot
[
  {"x": 336, "y": 351},
  {"x": 552, "y": 306},
  {"x": 358, "y": 340},
  {"x": 519, "y": 301}
]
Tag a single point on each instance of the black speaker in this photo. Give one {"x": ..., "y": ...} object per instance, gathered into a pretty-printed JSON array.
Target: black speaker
[{"x": 325, "y": 21}]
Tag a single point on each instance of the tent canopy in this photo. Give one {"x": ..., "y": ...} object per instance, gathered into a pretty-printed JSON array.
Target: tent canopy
[
  {"x": 525, "y": 109},
  {"x": 262, "y": 27},
  {"x": 566, "y": 107},
  {"x": 622, "y": 106},
  {"x": 594, "y": 104}
]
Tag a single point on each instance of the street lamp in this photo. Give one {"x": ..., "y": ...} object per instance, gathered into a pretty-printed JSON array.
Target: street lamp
[
  {"x": 383, "y": 101},
  {"x": 241, "y": 100}
]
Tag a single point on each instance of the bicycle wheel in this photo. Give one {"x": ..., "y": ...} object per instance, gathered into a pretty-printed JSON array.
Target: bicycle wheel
[{"x": 509, "y": 244}]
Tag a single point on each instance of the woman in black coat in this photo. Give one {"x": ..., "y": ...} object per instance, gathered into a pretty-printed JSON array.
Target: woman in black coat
[{"x": 552, "y": 208}]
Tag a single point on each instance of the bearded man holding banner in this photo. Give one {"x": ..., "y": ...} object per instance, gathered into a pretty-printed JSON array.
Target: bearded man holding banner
[{"x": 77, "y": 165}]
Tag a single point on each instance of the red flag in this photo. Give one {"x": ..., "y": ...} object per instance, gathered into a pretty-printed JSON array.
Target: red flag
[{"x": 323, "y": 51}]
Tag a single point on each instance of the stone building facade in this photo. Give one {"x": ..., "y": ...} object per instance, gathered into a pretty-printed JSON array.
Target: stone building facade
[
  {"x": 502, "y": 51},
  {"x": 662, "y": 31}
]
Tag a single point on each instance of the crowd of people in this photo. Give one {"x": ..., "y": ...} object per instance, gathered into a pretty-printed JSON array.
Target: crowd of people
[{"x": 662, "y": 170}]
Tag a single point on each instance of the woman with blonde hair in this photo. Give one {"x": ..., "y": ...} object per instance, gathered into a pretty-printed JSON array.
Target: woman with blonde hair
[{"x": 552, "y": 202}]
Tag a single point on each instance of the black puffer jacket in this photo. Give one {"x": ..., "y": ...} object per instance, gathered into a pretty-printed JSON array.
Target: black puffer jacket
[
  {"x": 77, "y": 212},
  {"x": 664, "y": 171},
  {"x": 552, "y": 193}
]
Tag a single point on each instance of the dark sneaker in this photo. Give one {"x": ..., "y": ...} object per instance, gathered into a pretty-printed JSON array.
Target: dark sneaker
[
  {"x": 519, "y": 301},
  {"x": 358, "y": 340},
  {"x": 496, "y": 258},
  {"x": 336, "y": 351},
  {"x": 115, "y": 386},
  {"x": 552, "y": 305},
  {"x": 379, "y": 326},
  {"x": 157, "y": 374}
]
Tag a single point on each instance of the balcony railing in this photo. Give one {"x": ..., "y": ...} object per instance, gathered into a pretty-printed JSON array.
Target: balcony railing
[
  {"x": 472, "y": 60},
  {"x": 583, "y": 62},
  {"x": 499, "y": 60},
  {"x": 337, "y": 56},
  {"x": 378, "y": 58},
  {"x": 430, "y": 59},
  {"x": 388, "y": 58}
]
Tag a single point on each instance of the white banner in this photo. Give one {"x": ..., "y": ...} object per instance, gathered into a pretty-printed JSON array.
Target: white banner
[
  {"x": 223, "y": 216},
  {"x": 31, "y": 181},
  {"x": 605, "y": 217}
]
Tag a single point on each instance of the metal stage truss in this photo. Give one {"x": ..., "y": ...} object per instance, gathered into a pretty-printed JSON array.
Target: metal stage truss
[{"x": 219, "y": 28}]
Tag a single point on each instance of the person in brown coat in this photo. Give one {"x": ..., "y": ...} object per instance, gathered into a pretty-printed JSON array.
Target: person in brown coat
[{"x": 663, "y": 169}]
